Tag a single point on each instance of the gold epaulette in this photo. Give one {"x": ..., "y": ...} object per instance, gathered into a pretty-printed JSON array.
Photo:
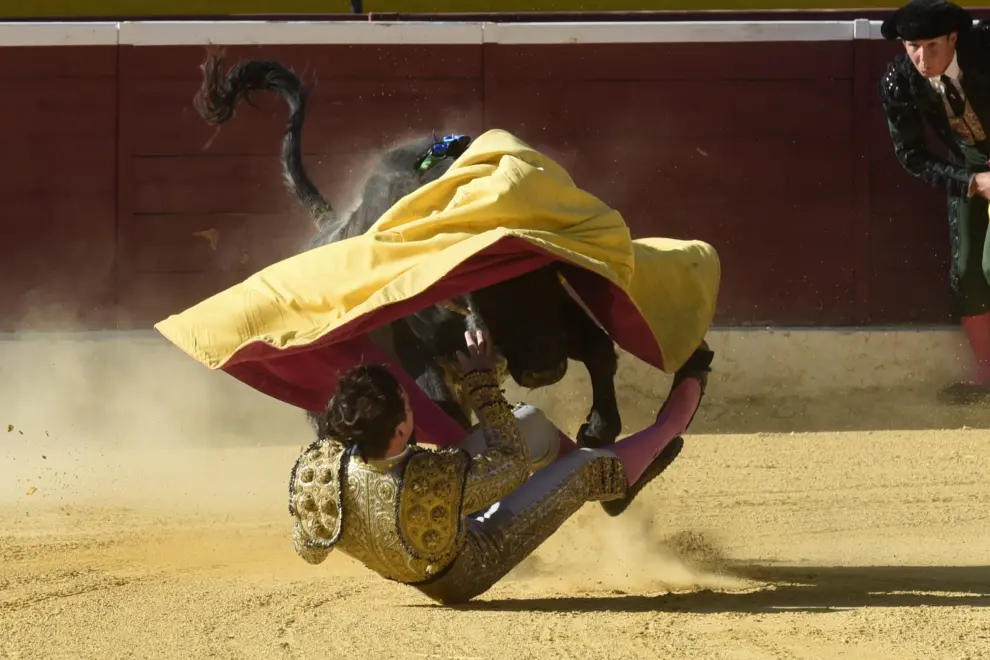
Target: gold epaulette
[
  {"x": 430, "y": 502},
  {"x": 315, "y": 493}
]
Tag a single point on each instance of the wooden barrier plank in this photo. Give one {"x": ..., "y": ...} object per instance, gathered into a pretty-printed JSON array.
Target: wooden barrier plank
[
  {"x": 774, "y": 152},
  {"x": 674, "y": 61},
  {"x": 328, "y": 61},
  {"x": 342, "y": 116},
  {"x": 58, "y": 181},
  {"x": 209, "y": 243}
]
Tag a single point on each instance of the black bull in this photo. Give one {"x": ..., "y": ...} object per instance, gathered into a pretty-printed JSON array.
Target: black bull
[{"x": 533, "y": 321}]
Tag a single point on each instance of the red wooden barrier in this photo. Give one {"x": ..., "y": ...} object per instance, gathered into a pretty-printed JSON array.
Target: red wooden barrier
[{"x": 116, "y": 214}]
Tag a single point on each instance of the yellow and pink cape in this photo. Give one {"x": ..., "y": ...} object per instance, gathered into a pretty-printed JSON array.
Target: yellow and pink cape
[{"x": 502, "y": 209}]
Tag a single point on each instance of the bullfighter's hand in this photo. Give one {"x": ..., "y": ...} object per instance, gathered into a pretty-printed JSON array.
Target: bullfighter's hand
[
  {"x": 480, "y": 356},
  {"x": 981, "y": 185}
]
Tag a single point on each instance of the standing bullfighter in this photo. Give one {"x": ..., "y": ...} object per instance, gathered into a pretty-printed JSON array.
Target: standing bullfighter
[{"x": 943, "y": 79}]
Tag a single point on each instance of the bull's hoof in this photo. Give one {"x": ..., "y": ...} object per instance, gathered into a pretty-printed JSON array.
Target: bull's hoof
[
  {"x": 653, "y": 470},
  {"x": 597, "y": 433}
]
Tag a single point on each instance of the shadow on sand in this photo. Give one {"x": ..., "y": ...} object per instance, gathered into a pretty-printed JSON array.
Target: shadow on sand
[
  {"x": 904, "y": 410},
  {"x": 786, "y": 589}
]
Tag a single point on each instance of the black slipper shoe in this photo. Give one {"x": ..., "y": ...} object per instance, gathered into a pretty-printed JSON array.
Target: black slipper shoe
[{"x": 653, "y": 470}]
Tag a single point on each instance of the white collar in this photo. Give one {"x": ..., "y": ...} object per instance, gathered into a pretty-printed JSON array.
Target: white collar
[
  {"x": 390, "y": 462},
  {"x": 953, "y": 71}
]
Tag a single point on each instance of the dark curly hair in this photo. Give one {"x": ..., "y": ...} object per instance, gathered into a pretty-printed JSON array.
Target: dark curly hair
[{"x": 365, "y": 410}]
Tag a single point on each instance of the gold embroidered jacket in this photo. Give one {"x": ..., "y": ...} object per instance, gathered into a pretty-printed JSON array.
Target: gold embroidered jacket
[{"x": 405, "y": 518}]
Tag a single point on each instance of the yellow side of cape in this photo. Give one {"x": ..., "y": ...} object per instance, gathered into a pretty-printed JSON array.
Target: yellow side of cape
[{"x": 499, "y": 187}]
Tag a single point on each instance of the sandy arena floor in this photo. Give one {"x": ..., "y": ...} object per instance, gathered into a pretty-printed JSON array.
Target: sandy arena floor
[{"x": 868, "y": 545}]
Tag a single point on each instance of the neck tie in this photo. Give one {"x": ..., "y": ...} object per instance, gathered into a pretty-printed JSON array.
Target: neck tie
[{"x": 953, "y": 97}]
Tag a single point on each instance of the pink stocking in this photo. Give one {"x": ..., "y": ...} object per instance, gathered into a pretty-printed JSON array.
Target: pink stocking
[
  {"x": 977, "y": 329},
  {"x": 638, "y": 450}
]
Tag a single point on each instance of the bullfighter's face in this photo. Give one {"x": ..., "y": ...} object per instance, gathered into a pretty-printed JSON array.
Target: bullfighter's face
[{"x": 932, "y": 56}]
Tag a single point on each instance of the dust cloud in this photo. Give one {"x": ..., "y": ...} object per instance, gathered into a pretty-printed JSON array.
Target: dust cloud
[
  {"x": 114, "y": 419},
  {"x": 632, "y": 553}
]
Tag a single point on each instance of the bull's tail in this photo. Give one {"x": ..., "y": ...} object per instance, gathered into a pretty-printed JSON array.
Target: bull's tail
[{"x": 219, "y": 95}]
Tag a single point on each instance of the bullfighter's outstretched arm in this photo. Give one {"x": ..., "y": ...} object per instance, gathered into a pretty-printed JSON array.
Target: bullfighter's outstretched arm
[{"x": 504, "y": 465}]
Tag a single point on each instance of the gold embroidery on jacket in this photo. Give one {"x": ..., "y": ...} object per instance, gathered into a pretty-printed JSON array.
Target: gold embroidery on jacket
[
  {"x": 452, "y": 379},
  {"x": 968, "y": 127},
  {"x": 315, "y": 493},
  {"x": 430, "y": 503}
]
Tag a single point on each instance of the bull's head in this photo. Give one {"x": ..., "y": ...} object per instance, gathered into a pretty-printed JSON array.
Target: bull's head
[{"x": 525, "y": 318}]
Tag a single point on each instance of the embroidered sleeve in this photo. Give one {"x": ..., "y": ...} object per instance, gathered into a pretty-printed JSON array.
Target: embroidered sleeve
[
  {"x": 431, "y": 502},
  {"x": 504, "y": 465},
  {"x": 907, "y": 132}
]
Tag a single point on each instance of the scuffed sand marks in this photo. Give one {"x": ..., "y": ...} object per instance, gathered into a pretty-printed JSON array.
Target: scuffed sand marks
[{"x": 633, "y": 553}]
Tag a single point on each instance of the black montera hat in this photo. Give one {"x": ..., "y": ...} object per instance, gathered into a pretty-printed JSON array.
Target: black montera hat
[{"x": 926, "y": 19}]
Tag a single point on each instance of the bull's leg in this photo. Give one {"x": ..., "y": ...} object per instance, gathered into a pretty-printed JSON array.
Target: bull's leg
[
  {"x": 431, "y": 379},
  {"x": 588, "y": 343},
  {"x": 429, "y": 375}
]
